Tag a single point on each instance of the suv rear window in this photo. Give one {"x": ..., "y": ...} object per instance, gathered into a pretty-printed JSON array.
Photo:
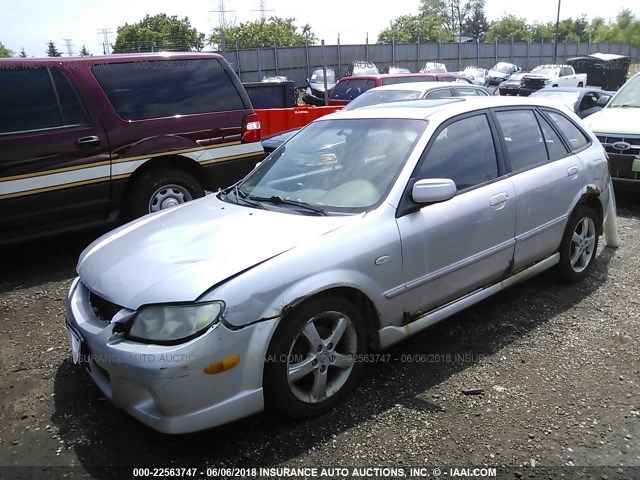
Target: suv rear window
[
  {"x": 164, "y": 88},
  {"x": 350, "y": 89},
  {"x": 396, "y": 80}
]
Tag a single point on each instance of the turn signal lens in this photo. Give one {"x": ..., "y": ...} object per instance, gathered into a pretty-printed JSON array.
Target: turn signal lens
[{"x": 223, "y": 365}]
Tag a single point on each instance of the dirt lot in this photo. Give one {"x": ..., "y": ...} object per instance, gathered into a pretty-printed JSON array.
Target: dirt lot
[{"x": 558, "y": 365}]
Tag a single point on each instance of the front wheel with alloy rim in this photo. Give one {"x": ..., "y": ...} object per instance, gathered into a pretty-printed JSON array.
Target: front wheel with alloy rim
[
  {"x": 161, "y": 188},
  {"x": 312, "y": 362},
  {"x": 579, "y": 244}
]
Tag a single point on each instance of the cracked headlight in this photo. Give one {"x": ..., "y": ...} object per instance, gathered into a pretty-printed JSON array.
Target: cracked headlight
[{"x": 170, "y": 324}]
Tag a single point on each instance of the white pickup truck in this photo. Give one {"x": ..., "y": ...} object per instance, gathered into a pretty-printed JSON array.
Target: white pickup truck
[{"x": 551, "y": 76}]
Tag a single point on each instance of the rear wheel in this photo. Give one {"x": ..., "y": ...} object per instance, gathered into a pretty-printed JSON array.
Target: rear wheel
[
  {"x": 579, "y": 245},
  {"x": 159, "y": 189},
  {"x": 580, "y": 84},
  {"x": 312, "y": 362}
]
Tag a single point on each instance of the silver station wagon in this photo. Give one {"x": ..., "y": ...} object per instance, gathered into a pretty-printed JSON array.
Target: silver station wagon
[{"x": 364, "y": 228}]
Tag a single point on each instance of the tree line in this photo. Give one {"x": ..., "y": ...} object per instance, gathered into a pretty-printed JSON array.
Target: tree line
[{"x": 436, "y": 20}]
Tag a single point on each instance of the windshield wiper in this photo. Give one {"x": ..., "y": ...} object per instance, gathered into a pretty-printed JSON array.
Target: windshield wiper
[
  {"x": 278, "y": 200},
  {"x": 239, "y": 196}
]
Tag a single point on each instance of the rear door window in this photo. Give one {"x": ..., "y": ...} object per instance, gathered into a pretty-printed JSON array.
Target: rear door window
[
  {"x": 165, "y": 88},
  {"x": 72, "y": 109},
  {"x": 28, "y": 101},
  {"x": 470, "y": 92},
  {"x": 440, "y": 93},
  {"x": 523, "y": 139}
]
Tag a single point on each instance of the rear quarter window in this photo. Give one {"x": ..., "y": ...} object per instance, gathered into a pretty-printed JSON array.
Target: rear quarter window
[
  {"x": 164, "y": 88},
  {"x": 576, "y": 138}
]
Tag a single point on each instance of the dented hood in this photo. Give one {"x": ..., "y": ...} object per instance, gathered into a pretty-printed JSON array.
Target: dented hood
[{"x": 178, "y": 254}]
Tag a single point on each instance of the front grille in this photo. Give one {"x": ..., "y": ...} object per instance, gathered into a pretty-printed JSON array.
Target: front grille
[
  {"x": 621, "y": 160},
  {"x": 102, "y": 308},
  {"x": 535, "y": 83}
]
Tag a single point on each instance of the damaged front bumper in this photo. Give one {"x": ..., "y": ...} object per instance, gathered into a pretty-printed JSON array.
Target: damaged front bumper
[{"x": 167, "y": 387}]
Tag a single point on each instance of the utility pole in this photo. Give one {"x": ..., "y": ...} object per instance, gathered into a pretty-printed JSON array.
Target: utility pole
[
  {"x": 262, "y": 10},
  {"x": 69, "y": 45},
  {"x": 555, "y": 41},
  {"x": 105, "y": 32}
]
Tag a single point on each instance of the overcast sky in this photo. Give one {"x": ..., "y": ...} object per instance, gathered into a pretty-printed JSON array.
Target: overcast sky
[{"x": 32, "y": 23}]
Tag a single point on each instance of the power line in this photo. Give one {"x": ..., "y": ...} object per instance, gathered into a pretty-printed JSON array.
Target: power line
[{"x": 262, "y": 10}]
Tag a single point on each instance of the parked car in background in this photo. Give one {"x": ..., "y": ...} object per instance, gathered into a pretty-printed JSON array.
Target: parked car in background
[
  {"x": 617, "y": 126},
  {"x": 606, "y": 70},
  {"x": 501, "y": 71},
  {"x": 434, "y": 67},
  {"x": 360, "y": 67},
  {"x": 583, "y": 101},
  {"x": 87, "y": 141},
  {"x": 315, "y": 91},
  {"x": 394, "y": 69},
  {"x": 551, "y": 76},
  {"x": 512, "y": 85},
  {"x": 373, "y": 225},
  {"x": 391, "y": 93},
  {"x": 349, "y": 88},
  {"x": 477, "y": 75}
]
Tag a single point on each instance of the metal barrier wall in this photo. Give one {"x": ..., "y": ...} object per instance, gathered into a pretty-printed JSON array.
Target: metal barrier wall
[{"x": 297, "y": 63}]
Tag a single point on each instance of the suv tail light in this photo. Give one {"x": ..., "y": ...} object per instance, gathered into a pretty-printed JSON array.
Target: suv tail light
[{"x": 251, "y": 129}]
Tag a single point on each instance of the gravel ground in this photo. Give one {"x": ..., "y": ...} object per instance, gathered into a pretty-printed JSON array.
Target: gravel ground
[{"x": 557, "y": 367}]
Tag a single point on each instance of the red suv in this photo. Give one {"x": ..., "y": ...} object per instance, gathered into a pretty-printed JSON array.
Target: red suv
[
  {"x": 88, "y": 141},
  {"x": 349, "y": 88}
]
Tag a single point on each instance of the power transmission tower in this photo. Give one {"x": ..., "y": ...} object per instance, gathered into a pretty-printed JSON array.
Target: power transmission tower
[
  {"x": 105, "y": 32},
  {"x": 262, "y": 10},
  {"x": 222, "y": 15},
  {"x": 69, "y": 45}
]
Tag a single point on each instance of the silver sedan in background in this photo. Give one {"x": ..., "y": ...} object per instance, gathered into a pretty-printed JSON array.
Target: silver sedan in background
[{"x": 366, "y": 227}]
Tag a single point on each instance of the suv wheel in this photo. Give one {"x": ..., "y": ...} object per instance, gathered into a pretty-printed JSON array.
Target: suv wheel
[
  {"x": 313, "y": 362},
  {"x": 579, "y": 245},
  {"x": 160, "y": 189}
]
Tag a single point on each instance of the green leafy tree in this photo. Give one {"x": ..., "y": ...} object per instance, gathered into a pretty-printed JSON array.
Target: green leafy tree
[
  {"x": 508, "y": 27},
  {"x": 476, "y": 24},
  {"x": 23, "y": 54},
  {"x": 410, "y": 28},
  {"x": 159, "y": 33},
  {"x": 265, "y": 33},
  {"x": 4, "y": 51},
  {"x": 52, "y": 50},
  {"x": 84, "y": 52}
]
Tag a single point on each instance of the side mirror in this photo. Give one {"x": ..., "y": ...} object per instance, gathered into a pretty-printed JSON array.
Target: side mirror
[
  {"x": 431, "y": 190},
  {"x": 603, "y": 100}
]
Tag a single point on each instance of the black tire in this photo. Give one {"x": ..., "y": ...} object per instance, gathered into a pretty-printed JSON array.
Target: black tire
[
  {"x": 580, "y": 84},
  {"x": 157, "y": 189},
  {"x": 291, "y": 351},
  {"x": 579, "y": 245}
]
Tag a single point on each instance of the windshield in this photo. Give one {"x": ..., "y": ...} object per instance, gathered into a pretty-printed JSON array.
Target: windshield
[
  {"x": 628, "y": 95},
  {"x": 545, "y": 71},
  {"x": 336, "y": 166},
  {"x": 373, "y": 97},
  {"x": 317, "y": 77},
  {"x": 503, "y": 67},
  {"x": 567, "y": 98}
]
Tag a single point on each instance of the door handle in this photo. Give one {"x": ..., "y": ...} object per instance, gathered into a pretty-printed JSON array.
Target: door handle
[
  {"x": 88, "y": 142},
  {"x": 498, "y": 199},
  {"x": 571, "y": 171}
]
